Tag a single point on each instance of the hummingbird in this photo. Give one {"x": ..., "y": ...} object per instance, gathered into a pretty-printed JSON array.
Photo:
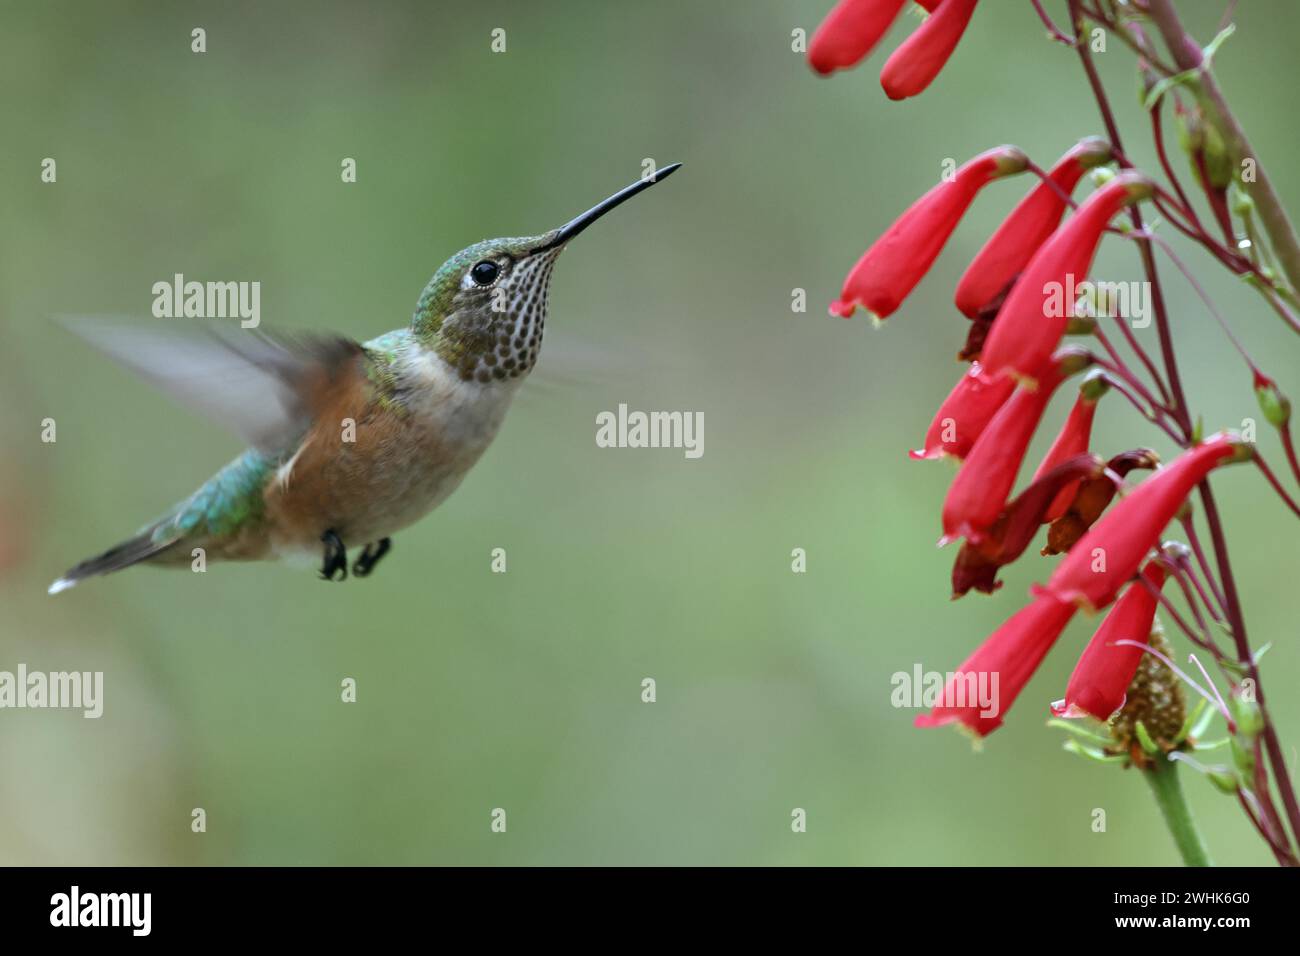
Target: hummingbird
[{"x": 349, "y": 442}]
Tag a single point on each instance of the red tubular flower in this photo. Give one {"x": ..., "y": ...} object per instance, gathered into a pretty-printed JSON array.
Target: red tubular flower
[
  {"x": 1030, "y": 224},
  {"x": 1003, "y": 664},
  {"x": 851, "y": 31},
  {"x": 894, "y": 264},
  {"x": 979, "y": 492},
  {"x": 1105, "y": 558},
  {"x": 961, "y": 418},
  {"x": 1105, "y": 669},
  {"x": 915, "y": 64},
  {"x": 1073, "y": 439},
  {"x": 1040, "y": 305}
]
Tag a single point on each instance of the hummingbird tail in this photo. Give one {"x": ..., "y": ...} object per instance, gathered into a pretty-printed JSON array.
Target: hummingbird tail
[{"x": 137, "y": 549}]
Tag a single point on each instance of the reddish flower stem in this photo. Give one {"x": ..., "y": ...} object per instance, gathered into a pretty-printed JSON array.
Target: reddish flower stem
[
  {"x": 1135, "y": 40},
  {"x": 1158, "y": 135},
  {"x": 1189, "y": 571},
  {"x": 1267, "y": 810},
  {"x": 1122, "y": 369},
  {"x": 1194, "y": 539},
  {"x": 1280, "y": 852},
  {"x": 1198, "y": 234},
  {"x": 1209, "y": 303},
  {"x": 1052, "y": 184},
  {"x": 1117, "y": 383},
  {"x": 1189, "y": 595},
  {"x": 1289, "y": 446},
  {"x": 1277, "y": 485},
  {"x": 1200, "y": 640},
  {"x": 1052, "y": 30},
  {"x": 1144, "y": 358}
]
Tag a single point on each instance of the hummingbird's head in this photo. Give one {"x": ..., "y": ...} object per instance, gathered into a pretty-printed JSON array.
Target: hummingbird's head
[{"x": 484, "y": 309}]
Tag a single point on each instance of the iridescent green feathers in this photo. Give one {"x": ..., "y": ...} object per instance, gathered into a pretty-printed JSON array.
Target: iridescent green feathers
[{"x": 441, "y": 297}]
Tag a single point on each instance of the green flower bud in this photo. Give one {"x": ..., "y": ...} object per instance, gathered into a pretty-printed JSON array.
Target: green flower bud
[
  {"x": 1218, "y": 164},
  {"x": 1101, "y": 176},
  {"x": 1247, "y": 716},
  {"x": 1240, "y": 201},
  {"x": 1190, "y": 136},
  {"x": 1243, "y": 758},
  {"x": 1275, "y": 406}
]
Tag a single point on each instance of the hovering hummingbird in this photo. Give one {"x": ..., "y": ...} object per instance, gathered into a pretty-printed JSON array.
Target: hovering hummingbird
[{"x": 350, "y": 442}]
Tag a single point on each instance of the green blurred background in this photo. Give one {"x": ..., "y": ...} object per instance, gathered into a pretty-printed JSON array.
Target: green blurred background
[{"x": 522, "y": 691}]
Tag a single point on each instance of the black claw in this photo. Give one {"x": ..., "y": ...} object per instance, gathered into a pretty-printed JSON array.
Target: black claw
[
  {"x": 370, "y": 556},
  {"x": 336, "y": 558}
]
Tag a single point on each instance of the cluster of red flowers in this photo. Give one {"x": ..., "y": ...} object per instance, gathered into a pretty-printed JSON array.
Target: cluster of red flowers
[
  {"x": 1017, "y": 292},
  {"x": 854, "y": 28}
]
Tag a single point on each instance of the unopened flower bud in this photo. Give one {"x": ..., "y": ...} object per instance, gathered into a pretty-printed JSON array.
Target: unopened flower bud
[
  {"x": 1028, "y": 226},
  {"x": 1036, "y": 313},
  {"x": 1246, "y": 714},
  {"x": 1243, "y": 758},
  {"x": 1275, "y": 406},
  {"x": 895, "y": 263},
  {"x": 915, "y": 64},
  {"x": 1242, "y": 205}
]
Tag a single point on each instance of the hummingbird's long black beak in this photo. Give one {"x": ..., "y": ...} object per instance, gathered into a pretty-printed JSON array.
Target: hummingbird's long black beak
[{"x": 576, "y": 225}]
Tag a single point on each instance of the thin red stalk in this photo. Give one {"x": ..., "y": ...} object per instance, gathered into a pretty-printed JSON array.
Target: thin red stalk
[
  {"x": 1144, "y": 358},
  {"x": 1271, "y": 297},
  {"x": 1271, "y": 818},
  {"x": 1118, "y": 385},
  {"x": 1282, "y": 854},
  {"x": 1052, "y": 184},
  {"x": 1277, "y": 485},
  {"x": 1133, "y": 40},
  {"x": 1200, "y": 236},
  {"x": 1289, "y": 446},
  {"x": 1207, "y": 641},
  {"x": 1122, "y": 369},
  {"x": 1178, "y": 619},
  {"x": 1228, "y": 11},
  {"x": 1189, "y": 570},
  {"x": 1052, "y": 30},
  {"x": 1193, "y": 539},
  {"x": 1215, "y": 197},
  {"x": 1205, "y": 298},
  {"x": 1164, "y": 198},
  {"x": 1157, "y": 133}
]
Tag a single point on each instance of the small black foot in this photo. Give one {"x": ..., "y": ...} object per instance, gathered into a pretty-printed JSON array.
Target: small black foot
[
  {"x": 336, "y": 558},
  {"x": 370, "y": 556}
]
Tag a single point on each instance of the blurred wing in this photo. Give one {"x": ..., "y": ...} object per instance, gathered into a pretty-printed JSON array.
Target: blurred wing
[
  {"x": 264, "y": 387},
  {"x": 570, "y": 363}
]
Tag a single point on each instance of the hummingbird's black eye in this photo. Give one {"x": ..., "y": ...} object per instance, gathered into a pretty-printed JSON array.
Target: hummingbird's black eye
[{"x": 485, "y": 272}]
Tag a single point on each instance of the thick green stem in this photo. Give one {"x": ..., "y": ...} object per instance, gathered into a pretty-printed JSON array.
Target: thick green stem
[{"x": 1168, "y": 790}]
